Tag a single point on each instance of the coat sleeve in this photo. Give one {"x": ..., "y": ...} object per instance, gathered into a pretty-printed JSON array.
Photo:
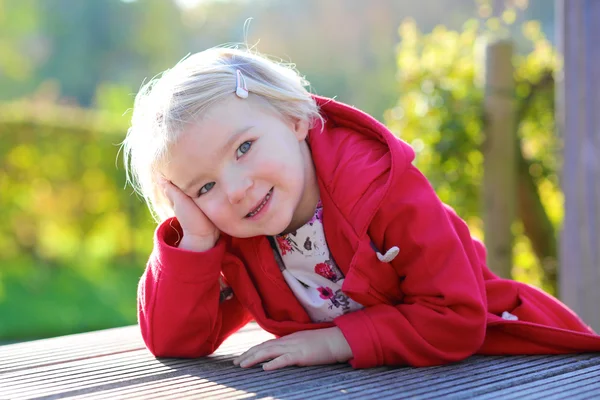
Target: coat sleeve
[
  {"x": 442, "y": 316},
  {"x": 179, "y": 312}
]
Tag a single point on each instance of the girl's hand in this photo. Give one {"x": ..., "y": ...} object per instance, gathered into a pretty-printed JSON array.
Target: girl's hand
[
  {"x": 315, "y": 347},
  {"x": 199, "y": 233}
]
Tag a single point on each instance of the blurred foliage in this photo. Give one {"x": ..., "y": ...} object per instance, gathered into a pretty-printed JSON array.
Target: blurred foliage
[
  {"x": 74, "y": 240},
  {"x": 80, "y": 45},
  {"x": 64, "y": 207},
  {"x": 439, "y": 113}
]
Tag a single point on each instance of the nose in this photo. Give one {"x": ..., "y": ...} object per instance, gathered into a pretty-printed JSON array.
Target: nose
[{"x": 237, "y": 186}]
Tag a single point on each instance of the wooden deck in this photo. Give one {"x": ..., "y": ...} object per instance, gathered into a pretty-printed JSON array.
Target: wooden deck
[{"x": 113, "y": 364}]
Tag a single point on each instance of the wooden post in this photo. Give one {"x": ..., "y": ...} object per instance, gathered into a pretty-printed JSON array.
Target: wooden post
[
  {"x": 578, "y": 121},
  {"x": 499, "y": 183}
]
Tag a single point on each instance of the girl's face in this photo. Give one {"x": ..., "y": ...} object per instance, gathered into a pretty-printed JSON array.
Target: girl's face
[{"x": 247, "y": 168}]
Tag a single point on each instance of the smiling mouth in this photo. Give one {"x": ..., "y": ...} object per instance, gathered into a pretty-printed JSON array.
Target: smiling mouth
[{"x": 261, "y": 205}]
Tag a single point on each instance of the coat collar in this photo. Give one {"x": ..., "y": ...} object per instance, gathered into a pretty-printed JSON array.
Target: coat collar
[{"x": 371, "y": 156}]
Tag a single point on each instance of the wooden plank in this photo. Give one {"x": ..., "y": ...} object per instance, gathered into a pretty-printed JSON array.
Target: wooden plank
[
  {"x": 578, "y": 122},
  {"x": 557, "y": 385},
  {"x": 136, "y": 374},
  {"x": 475, "y": 376},
  {"x": 68, "y": 348},
  {"x": 499, "y": 156},
  {"x": 83, "y": 372}
]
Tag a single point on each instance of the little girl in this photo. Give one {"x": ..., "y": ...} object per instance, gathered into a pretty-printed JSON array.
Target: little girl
[{"x": 307, "y": 216}]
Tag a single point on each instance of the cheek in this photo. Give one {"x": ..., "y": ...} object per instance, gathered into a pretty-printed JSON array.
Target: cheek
[
  {"x": 213, "y": 209},
  {"x": 283, "y": 159},
  {"x": 281, "y": 172}
]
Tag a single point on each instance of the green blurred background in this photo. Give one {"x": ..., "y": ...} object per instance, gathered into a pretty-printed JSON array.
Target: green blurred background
[{"x": 74, "y": 239}]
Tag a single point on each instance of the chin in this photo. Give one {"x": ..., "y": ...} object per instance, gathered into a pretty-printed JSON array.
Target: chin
[
  {"x": 277, "y": 229},
  {"x": 272, "y": 227},
  {"x": 263, "y": 232},
  {"x": 273, "y": 232}
]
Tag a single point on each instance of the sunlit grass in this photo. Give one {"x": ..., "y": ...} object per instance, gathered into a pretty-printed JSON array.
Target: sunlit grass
[{"x": 44, "y": 302}]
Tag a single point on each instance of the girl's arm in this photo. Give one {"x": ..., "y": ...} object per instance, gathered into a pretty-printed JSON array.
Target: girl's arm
[
  {"x": 442, "y": 317},
  {"x": 179, "y": 311}
]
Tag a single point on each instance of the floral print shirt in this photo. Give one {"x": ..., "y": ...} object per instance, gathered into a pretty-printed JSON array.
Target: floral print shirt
[{"x": 310, "y": 271}]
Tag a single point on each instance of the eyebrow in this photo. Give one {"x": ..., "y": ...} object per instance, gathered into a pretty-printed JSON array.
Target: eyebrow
[{"x": 232, "y": 139}]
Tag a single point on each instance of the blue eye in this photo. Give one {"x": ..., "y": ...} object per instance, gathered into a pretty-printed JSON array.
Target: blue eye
[
  {"x": 243, "y": 149},
  {"x": 204, "y": 189}
]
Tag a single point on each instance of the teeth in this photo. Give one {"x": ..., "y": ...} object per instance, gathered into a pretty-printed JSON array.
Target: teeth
[{"x": 256, "y": 211}]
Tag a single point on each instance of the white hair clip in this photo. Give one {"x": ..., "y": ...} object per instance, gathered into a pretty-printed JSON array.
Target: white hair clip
[{"x": 241, "y": 90}]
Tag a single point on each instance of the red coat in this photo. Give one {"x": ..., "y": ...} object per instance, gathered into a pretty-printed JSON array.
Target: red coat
[{"x": 436, "y": 302}]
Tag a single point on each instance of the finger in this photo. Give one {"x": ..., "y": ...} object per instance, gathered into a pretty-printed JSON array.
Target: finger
[
  {"x": 245, "y": 357},
  {"x": 172, "y": 192},
  {"x": 262, "y": 355},
  {"x": 250, "y": 352},
  {"x": 285, "y": 360},
  {"x": 183, "y": 205},
  {"x": 165, "y": 187}
]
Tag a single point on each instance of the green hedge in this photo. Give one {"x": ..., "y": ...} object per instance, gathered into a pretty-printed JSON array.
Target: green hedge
[{"x": 73, "y": 239}]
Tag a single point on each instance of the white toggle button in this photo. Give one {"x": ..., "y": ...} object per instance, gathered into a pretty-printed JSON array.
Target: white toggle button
[
  {"x": 509, "y": 317},
  {"x": 389, "y": 255}
]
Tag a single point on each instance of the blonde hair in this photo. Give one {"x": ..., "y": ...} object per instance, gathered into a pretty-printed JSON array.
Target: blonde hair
[{"x": 169, "y": 102}]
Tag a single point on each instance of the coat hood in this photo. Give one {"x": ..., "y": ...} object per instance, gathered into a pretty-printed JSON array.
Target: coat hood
[{"x": 360, "y": 158}]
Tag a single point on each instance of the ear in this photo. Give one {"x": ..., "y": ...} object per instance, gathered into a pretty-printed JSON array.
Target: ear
[{"x": 300, "y": 129}]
